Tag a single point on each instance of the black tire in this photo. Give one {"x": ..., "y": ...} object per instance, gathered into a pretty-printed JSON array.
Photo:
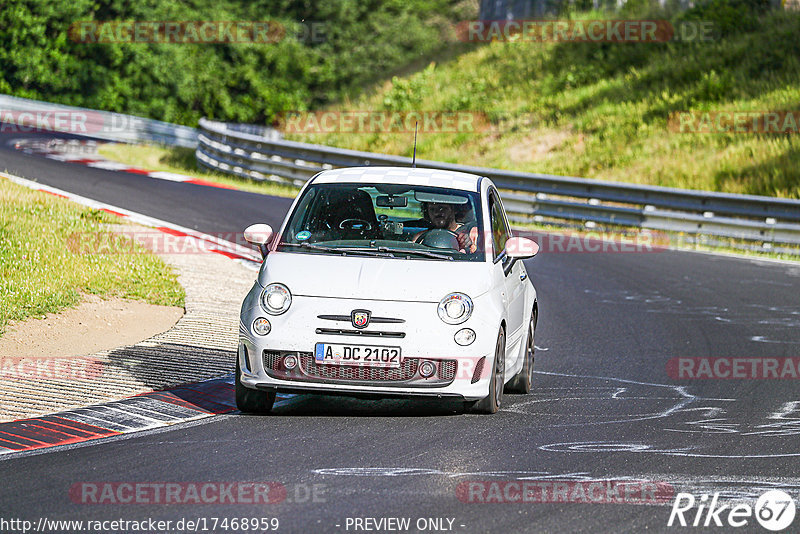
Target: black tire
[
  {"x": 523, "y": 380},
  {"x": 251, "y": 400},
  {"x": 491, "y": 403}
]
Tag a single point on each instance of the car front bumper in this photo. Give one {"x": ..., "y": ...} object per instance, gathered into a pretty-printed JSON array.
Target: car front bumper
[{"x": 462, "y": 372}]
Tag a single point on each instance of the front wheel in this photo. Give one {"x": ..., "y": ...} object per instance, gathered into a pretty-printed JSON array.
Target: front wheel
[
  {"x": 491, "y": 403},
  {"x": 251, "y": 400},
  {"x": 523, "y": 380}
]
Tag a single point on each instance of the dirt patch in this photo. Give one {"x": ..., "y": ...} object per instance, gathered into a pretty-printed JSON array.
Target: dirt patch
[
  {"x": 94, "y": 325},
  {"x": 537, "y": 146}
]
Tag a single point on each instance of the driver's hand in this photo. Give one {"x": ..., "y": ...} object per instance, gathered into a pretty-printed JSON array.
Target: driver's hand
[{"x": 465, "y": 241}]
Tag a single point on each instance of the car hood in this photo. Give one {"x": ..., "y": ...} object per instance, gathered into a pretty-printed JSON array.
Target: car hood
[{"x": 370, "y": 278}]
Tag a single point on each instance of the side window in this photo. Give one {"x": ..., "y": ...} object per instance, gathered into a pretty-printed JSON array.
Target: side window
[{"x": 499, "y": 229}]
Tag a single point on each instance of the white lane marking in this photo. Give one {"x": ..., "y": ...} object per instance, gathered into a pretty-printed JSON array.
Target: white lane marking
[
  {"x": 377, "y": 471},
  {"x": 729, "y": 487},
  {"x": 785, "y": 425},
  {"x": 619, "y": 390},
  {"x": 709, "y": 426},
  {"x": 70, "y": 157},
  {"x": 171, "y": 176},
  {"x": 683, "y": 400},
  {"x": 762, "y": 339},
  {"x": 788, "y": 408},
  {"x": 108, "y": 165},
  {"x": 736, "y": 256},
  {"x": 610, "y": 446}
]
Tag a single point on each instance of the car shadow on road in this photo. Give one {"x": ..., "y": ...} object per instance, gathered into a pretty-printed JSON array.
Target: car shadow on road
[
  {"x": 159, "y": 366},
  {"x": 339, "y": 406},
  {"x": 182, "y": 369}
]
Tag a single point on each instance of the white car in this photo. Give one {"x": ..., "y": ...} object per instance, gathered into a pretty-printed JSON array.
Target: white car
[{"x": 389, "y": 282}]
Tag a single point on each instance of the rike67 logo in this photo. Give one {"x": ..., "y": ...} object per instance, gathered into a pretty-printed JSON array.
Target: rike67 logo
[{"x": 774, "y": 510}]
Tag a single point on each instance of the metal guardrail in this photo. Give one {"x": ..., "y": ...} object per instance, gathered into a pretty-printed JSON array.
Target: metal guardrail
[
  {"x": 33, "y": 115},
  {"x": 527, "y": 196}
]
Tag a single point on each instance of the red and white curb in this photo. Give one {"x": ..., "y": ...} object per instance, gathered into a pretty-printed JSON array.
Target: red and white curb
[
  {"x": 196, "y": 240},
  {"x": 147, "y": 411},
  {"x": 142, "y": 412},
  {"x": 98, "y": 162}
]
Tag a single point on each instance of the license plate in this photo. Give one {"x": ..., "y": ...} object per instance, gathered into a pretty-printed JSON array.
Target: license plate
[{"x": 360, "y": 355}]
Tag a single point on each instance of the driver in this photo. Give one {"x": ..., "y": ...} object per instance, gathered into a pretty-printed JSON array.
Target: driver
[{"x": 443, "y": 216}]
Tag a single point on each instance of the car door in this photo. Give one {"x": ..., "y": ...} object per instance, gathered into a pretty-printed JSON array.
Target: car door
[{"x": 513, "y": 278}]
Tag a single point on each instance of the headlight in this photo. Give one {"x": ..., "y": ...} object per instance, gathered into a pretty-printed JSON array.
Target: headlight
[
  {"x": 455, "y": 308},
  {"x": 276, "y": 299}
]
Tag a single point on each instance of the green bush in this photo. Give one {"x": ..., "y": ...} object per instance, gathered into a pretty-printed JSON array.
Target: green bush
[
  {"x": 729, "y": 16},
  {"x": 362, "y": 40}
]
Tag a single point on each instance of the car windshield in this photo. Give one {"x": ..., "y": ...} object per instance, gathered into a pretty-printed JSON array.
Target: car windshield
[{"x": 386, "y": 220}]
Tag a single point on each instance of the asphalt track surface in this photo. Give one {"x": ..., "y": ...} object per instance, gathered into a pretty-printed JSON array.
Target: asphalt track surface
[{"x": 604, "y": 406}]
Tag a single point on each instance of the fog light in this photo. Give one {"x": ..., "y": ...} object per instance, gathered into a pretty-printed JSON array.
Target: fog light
[
  {"x": 261, "y": 326},
  {"x": 290, "y": 362},
  {"x": 427, "y": 369},
  {"x": 465, "y": 336}
]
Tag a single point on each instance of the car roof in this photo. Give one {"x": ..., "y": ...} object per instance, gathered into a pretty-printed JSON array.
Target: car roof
[{"x": 400, "y": 175}]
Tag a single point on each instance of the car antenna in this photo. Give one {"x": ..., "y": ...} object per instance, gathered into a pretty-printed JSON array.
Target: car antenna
[{"x": 414, "y": 159}]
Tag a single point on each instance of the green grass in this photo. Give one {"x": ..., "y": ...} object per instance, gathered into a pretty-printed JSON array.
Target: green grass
[
  {"x": 182, "y": 161},
  {"x": 39, "y": 274},
  {"x": 602, "y": 110}
]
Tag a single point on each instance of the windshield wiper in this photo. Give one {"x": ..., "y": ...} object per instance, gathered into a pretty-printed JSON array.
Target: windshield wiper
[
  {"x": 341, "y": 250},
  {"x": 377, "y": 251},
  {"x": 414, "y": 252}
]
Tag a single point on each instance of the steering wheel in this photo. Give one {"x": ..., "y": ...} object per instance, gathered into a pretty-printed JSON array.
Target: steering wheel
[
  {"x": 439, "y": 238},
  {"x": 359, "y": 225}
]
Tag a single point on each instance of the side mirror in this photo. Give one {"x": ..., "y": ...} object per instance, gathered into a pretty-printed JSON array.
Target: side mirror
[
  {"x": 259, "y": 235},
  {"x": 520, "y": 248}
]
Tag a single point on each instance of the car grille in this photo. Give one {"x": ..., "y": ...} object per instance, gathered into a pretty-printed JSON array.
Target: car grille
[
  {"x": 362, "y": 333},
  {"x": 310, "y": 371},
  {"x": 478, "y": 370}
]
